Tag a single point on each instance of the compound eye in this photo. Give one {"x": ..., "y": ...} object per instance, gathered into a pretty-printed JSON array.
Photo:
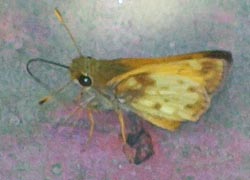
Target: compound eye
[{"x": 85, "y": 80}]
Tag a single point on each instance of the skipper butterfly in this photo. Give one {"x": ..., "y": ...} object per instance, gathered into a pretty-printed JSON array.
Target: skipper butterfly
[{"x": 164, "y": 91}]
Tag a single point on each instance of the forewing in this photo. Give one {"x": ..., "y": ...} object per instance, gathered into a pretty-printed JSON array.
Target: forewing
[{"x": 169, "y": 93}]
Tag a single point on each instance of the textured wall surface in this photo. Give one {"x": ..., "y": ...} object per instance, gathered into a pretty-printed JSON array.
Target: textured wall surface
[{"x": 217, "y": 147}]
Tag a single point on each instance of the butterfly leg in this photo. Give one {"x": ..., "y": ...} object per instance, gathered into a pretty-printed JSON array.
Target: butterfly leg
[
  {"x": 92, "y": 125},
  {"x": 74, "y": 111},
  {"x": 90, "y": 118},
  {"x": 122, "y": 124},
  {"x": 80, "y": 105}
]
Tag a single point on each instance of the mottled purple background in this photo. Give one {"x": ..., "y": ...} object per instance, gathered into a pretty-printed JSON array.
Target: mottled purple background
[{"x": 217, "y": 147}]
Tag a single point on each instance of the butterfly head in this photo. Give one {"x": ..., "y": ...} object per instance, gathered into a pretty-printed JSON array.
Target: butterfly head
[{"x": 81, "y": 69}]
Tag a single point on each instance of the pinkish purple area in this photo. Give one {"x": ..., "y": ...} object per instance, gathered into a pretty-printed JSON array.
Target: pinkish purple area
[
  {"x": 31, "y": 148},
  {"x": 58, "y": 154}
]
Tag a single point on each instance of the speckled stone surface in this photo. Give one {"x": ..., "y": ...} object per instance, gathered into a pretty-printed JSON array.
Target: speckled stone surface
[{"x": 217, "y": 147}]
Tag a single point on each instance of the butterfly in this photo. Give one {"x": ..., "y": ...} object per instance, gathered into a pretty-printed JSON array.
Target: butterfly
[{"x": 165, "y": 91}]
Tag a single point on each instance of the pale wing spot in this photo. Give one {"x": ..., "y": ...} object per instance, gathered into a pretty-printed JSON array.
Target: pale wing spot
[
  {"x": 147, "y": 102},
  {"x": 190, "y": 98},
  {"x": 174, "y": 81},
  {"x": 153, "y": 112},
  {"x": 186, "y": 115},
  {"x": 151, "y": 91},
  {"x": 147, "y": 108},
  {"x": 129, "y": 86},
  {"x": 195, "y": 64},
  {"x": 167, "y": 93},
  {"x": 131, "y": 82},
  {"x": 163, "y": 92},
  {"x": 167, "y": 109}
]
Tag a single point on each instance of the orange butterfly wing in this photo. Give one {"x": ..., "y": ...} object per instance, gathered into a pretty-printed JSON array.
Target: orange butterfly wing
[{"x": 168, "y": 91}]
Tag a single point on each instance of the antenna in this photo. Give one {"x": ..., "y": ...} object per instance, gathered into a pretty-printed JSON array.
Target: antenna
[
  {"x": 49, "y": 97},
  {"x": 43, "y": 61},
  {"x": 61, "y": 20}
]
